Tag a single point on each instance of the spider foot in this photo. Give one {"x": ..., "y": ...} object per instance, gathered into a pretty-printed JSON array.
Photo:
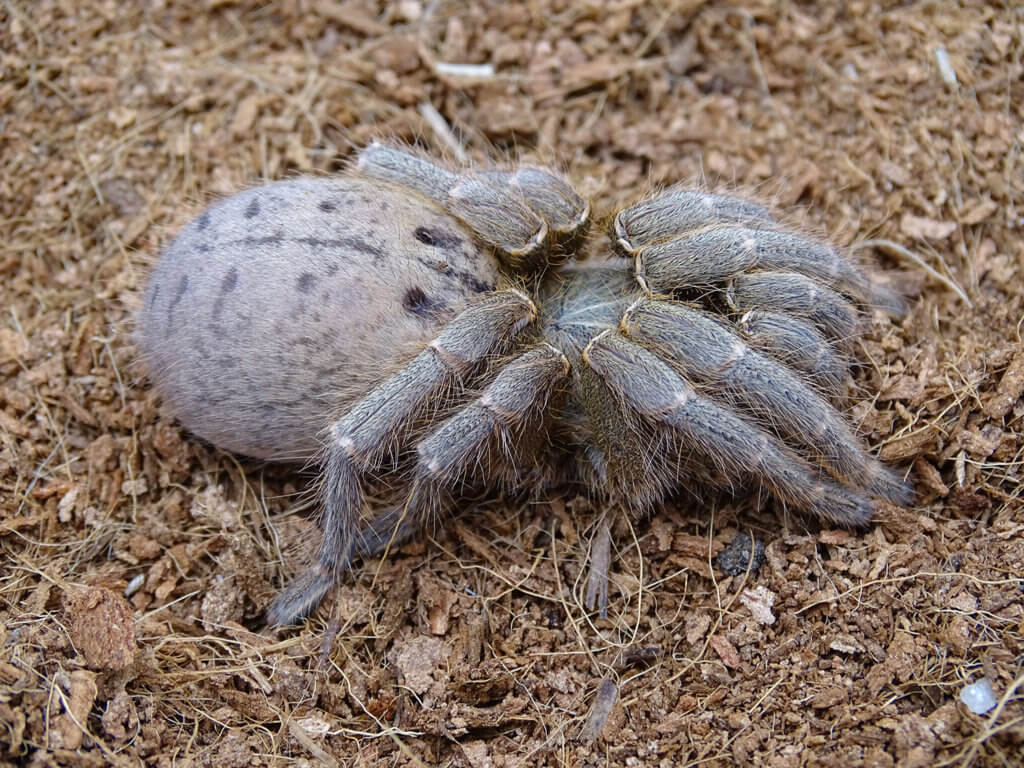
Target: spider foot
[{"x": 301, "y": 597}]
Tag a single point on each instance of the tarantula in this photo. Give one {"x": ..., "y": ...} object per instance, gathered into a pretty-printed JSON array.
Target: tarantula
[{"x": 436, "y": 332}]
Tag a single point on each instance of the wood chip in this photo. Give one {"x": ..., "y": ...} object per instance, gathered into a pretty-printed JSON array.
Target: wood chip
[
  {"x": 726, "y": 651},
  {"x": 979, "y": 212},
  {"x": 926, "y": 229},
  {"x": 759, "y": 601},
  {"x": 1011, "y": 387},
  {"x": 102, "y": 628},
  {"x": 351, "y": 15},
  {"x": 828, "y": 697}
]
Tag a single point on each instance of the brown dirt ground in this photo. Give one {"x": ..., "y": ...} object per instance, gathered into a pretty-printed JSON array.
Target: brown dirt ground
[{"x": 472, "y": 649}]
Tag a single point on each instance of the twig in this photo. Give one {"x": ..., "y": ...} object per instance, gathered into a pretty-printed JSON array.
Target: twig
[
  {"x": 444, "y": 132},
  {"x": 898, "y": 250}
]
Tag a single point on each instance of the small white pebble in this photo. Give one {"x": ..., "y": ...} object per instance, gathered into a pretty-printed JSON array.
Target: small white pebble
[
  {"x": 945, "y": 67},
  {"x": 978, "y": 696},
  {"x": 134, "y": 584},
  {"x": 483, "y": 71},
  {"x": 410, "y": 10}
]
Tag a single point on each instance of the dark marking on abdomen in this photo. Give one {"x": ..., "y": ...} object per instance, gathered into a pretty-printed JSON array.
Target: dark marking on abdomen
[
  {"x": 230, "y": 281},
  {"x": 275, "y": 239},
  {"x": 468, "y": 279},
  {"x": 474, "y": 283},
  {"x": 178, "y": 296},
  {"x": 416, "y": 302},
  {"x": 438, "y": 238},
  {"x": 350, "y": 243},
  {"x": 226, "y": 286}
]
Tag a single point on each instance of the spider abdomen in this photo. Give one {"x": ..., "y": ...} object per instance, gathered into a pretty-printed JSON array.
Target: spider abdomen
[{"x": 283, "y": 304}]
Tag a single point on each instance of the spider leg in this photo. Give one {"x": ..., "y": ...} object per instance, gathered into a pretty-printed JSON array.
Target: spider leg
[
  {"x": 648, "y": 386},
  {"x": 678, "y": 211},
  {"x": 712, "y": 255},
  {"x": 566, "y": 213},
  {"x": 496, "y": 213},
  {"x": 359, "y": 440},
  {"x": 389, "y": 529},
  {"x": 519, "y": 391},
  {"x": 706, "y": 352},
  {"x": 799, "y": 345},
  {"x": 795, "y": 295}
]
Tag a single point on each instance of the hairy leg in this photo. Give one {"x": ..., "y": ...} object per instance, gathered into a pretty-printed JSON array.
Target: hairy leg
[
  {"x": 519, "y": 392},
  {"x": 514, "y": 398},
  {"x": 711, "y": 256},
  {"x": 686, "y": 237},
  {"x": 648, "y": 386},
  {"x": 513, "y": 211},
  {"x": 499, "y": 218},
  {"x": 564, "y": 211},
  {"x": 705, "y": 351},
  {"x": 362, "y": 437},
  {"x": 389, "y": 529},
  {"x": 678, "y": 211},
  {"x": 799, "y": 345},
  {"x": 798, "y": 296}
]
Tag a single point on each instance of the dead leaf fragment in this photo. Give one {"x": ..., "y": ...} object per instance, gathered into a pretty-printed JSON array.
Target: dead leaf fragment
[
  {"x": 697, "y": 627},
  {"x": 846, "y": 643},
  {"x": 245, "y": 116},
  {"x": 10, "y": 424},
  {"x": 12, "y": 345},
  {"x": 122, "y": 116},
  {"x": 981, "y": 443},
  {"x": 477, "y": 754},
  {"x": 418, "y": 660},
  {"x": 930, "y": 478},
  {"x": 438, "y": 600},
  {"x": 897, "y": 174},
  {"x": 909, "y": 447},
  {"x": 351, "y": 15}
]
